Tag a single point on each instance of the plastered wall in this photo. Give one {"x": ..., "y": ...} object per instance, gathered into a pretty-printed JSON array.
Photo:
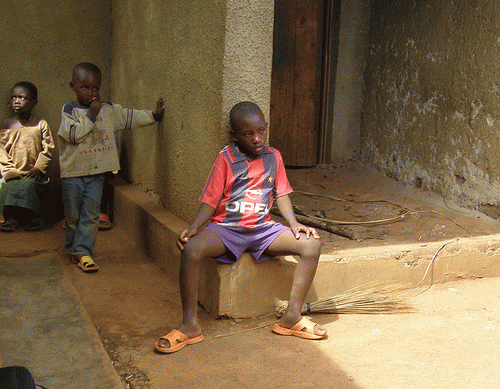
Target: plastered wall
[
  {"x": 202, "y": 57},
  {"x": 431, "y": 114},
  {"x": 346, "y": 93},
  {"x": 431, "y": 91},
  {"x": 40, "y": 42}
]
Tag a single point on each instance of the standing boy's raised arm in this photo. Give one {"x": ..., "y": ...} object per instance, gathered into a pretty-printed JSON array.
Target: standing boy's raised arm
[
  {"x": 130, "y": 119},
  {"x": 160, "y": 110}
]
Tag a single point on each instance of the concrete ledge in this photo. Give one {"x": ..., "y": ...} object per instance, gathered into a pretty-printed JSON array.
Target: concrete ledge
[
  {"x": 152, "y": 227},
  {"x": 458, "y": 258},
  {"x": 248, "y": 289},
  {"x": 245, "y": 289}
]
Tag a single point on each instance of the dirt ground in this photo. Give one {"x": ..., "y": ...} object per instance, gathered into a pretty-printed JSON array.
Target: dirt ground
[
  {"x": 449, "y": 341},
  {"x": 377, "y": 210}
]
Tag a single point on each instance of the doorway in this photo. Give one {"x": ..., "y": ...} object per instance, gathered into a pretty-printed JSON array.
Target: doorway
[{"x": 305, "y": 45}]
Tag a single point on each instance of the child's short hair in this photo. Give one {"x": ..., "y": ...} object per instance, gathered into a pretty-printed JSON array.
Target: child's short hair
[
  {"x": 243, "y": 109},
  {"x": 88, "y": 66},
  {"x": 30, "y": 87}
]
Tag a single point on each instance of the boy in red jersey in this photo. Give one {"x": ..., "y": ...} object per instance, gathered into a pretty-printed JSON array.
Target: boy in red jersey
[{"x": 246, "y": 178}]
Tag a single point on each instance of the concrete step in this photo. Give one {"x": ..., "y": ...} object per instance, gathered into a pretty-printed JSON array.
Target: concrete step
[{"x": 248, "y": 289}]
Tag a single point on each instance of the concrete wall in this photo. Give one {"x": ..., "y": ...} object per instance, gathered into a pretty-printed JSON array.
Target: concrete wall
[
  {"x": 345, "y": 125},
  {"x": 202, "y": 57},
  {"x": 41, "y": 41},
  {"x": 432, "y": 103}
]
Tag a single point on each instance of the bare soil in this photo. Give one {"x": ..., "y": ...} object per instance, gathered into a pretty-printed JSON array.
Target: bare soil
[
  {"x": 449, "y": 341},
  {"x": 378, "y": 210}
]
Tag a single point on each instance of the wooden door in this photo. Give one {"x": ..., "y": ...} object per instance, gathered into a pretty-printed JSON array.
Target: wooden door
[{"x": 296, "y": 84}]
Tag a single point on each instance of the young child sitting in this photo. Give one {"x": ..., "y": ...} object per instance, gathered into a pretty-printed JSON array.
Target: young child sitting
[
  {"x": 87, "y": 151},
  {"x": 25, "y": 152},
  {"x": 246, "y": 178}
]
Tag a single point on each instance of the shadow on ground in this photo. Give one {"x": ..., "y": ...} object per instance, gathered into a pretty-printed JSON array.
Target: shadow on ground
[{"x": 130, "y": 303}]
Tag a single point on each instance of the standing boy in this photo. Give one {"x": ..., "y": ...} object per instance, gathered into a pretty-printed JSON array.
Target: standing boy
[
  {"x": 246, "y": 178},
  {"x": 88, "y": 150}
]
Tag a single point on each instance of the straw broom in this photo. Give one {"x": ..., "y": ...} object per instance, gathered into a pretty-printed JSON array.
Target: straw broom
[
  {"x": 365, "y": 299},
  {"x": 370, "y": 298}
]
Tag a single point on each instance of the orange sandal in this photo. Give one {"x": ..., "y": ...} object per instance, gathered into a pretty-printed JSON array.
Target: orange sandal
[
  {"x": 177, "y": 341},
  {"x": 303, "y": 329}
]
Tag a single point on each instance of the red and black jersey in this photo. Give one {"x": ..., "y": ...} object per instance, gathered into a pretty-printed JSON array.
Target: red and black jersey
[{"x": 242, "y": 190}]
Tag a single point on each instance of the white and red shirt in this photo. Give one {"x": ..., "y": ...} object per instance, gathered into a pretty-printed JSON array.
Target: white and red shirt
[{"x": 242, "y": 190}]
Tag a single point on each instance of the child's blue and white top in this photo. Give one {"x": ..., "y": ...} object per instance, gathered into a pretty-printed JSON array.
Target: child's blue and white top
[{"x": 87, "y": 144}]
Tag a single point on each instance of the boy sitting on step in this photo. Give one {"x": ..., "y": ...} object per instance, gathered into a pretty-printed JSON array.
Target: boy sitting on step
[{"x": 246, "y": 178}]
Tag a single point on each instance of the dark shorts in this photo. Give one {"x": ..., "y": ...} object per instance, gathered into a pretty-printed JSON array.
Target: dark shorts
[{"x": 252, "y": 240}]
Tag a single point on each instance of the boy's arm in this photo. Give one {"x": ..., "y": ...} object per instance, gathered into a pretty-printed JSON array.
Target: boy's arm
[
  {"x": 130, "y": 119},
  {"x": 284, "y": 204},
  {"x": 75, "y": 129},
  {"x": 211, "y": 194},
  {"x": 160, "y": 110},
  {"x": 203, "y": 216}
]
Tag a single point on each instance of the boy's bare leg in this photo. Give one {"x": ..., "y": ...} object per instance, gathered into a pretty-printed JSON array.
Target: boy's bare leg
[
  {"x": 200, "y": 246},
  {"x": 308, "y": 251}
]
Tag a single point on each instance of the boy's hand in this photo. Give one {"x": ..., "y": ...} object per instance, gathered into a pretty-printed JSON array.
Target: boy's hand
[
  {"x": 34, "y": 174},
  {"x": 298, "y": 228},
  {"x": 160, "y": 109},
  {"x": 184, "y": 237},
  {"x": 95, "y": 106}
]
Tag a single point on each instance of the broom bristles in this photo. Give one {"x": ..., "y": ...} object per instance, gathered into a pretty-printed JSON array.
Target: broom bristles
[{"x": 365, "y": 299}]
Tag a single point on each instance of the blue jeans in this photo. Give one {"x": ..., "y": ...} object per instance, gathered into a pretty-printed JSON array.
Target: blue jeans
[{"x": 82, "y": 199}]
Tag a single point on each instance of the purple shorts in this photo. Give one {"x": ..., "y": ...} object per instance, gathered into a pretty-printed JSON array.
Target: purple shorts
[{"x": 252, "y": 240}]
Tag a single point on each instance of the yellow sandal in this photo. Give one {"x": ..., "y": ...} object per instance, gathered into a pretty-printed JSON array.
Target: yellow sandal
[{"x": 87, "y": 264}]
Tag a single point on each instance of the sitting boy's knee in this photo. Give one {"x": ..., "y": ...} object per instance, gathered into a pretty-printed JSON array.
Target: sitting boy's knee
[
  {"x": 312, "y": 248},
  {"x": 192, "y": 252}
]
